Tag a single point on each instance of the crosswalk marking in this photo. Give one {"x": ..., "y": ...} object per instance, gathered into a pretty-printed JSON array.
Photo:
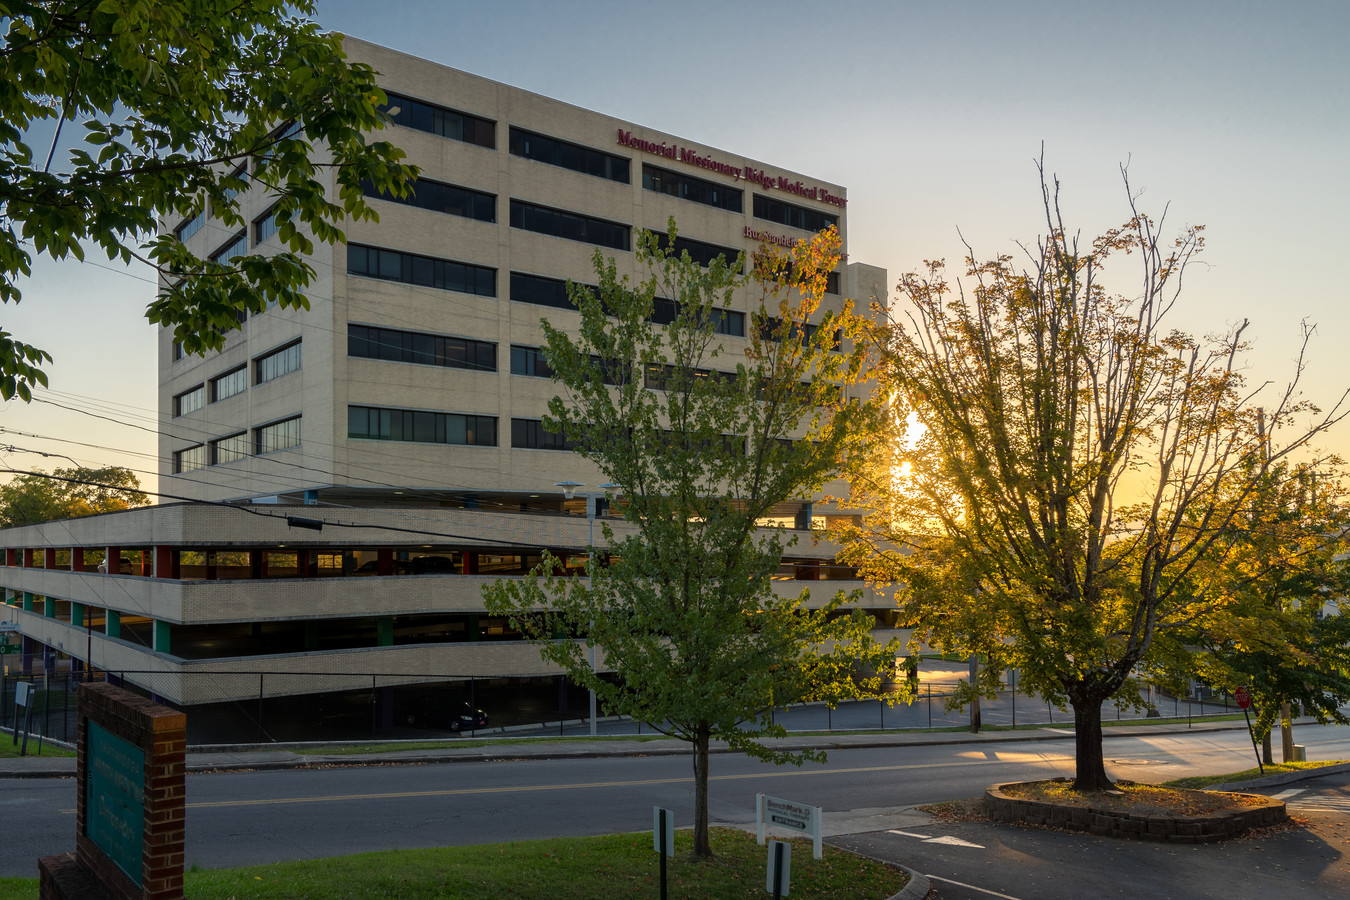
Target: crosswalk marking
[{"x": 1285, "y": 795}]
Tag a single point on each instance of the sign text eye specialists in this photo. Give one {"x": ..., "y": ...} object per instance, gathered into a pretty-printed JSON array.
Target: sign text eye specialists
[{"x": 756, "y": 176}]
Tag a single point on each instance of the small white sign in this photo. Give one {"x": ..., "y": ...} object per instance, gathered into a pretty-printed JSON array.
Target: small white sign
[
  {"x": 663, "y": 829},
  {"x": 21, "y": 693},
  {"x": 771, "y": 812},
  {"x": 780, "y": 867}
]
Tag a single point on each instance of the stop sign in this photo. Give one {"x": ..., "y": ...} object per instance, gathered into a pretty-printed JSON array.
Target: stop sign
[{"x": 1243, "y": 698}]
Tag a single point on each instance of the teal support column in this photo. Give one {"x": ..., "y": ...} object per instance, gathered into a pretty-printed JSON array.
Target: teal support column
[
  {"x": 48, "y": 608},
  {"x": 384, "y": 629},
  {"x": 311, "y": 635},
  {"x": 161, "y": 636},
  {"x": 472, "y": 631},
  {"x": 113, "y": 624},
  {"x": 28, "y": 600},
  {"x": 77, "y": 614}
]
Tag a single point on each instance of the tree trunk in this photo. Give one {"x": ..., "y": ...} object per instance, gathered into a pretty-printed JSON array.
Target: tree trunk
[
  {"x": 702, "y": 847},
  {"x": 1090, "y": 771},
  {"x": 1286, "y": 733},
  {"x": 975, "y": 693}
]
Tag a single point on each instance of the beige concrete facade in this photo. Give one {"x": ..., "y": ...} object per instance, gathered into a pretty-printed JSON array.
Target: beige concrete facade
[{"x": 329, "y": 381}]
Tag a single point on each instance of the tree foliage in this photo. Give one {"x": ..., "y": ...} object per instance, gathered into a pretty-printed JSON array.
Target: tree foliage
[
  {"x": 170, "y": 99},
  {"x": 685, "y": 612},
  {"x": 31, "y": 499},
  {"x": 1064, "y": 473},
  {"x": 1281, "y": 630}
]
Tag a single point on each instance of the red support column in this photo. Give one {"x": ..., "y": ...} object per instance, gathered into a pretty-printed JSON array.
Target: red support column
[
  {"x": 112, "y": 561},
  {"x": 211, "y": 573},
  {"x": 147, "y": 562},
  {"x": 11, "y": 556},
  {"x": 470, "y": 562},
  {"x": 166, "y": 562},
  {"x": 256, "y": 564},
  {"x": 385, "y": 564},
  {"x": 302, "y": 558},
  {"x": 77, "y": 559},
  {"x": 49, "y": 558}
]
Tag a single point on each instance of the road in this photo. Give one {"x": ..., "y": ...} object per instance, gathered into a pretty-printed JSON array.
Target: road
[
  {"x": 252, "y": 817},
  {"x": 980, "y": 861}
]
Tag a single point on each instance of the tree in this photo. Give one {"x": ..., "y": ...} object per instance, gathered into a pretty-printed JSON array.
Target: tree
[
  {"x": 684, "y": 609},
  {"x": 176, "y": 101},
  {"x": 1063, "y": 469},
  {"x": 67, "y": 493},
  {"x": 1274, "y": 633}
]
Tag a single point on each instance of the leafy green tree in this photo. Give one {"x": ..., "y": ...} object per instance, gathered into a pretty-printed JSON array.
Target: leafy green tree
[
  {"x": 180, "y": 105},
  {"x": 1060, "y": 480},
  {"x": 66, "y": 494},
  {"x": 684, "y": 611},
  {"x": 1280, "y": 631}
]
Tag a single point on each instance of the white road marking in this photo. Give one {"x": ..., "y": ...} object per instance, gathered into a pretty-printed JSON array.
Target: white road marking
[
  {"x": 1284, "y": 795},
  {"x": 971, "y": 887},
  {"x": 953, "y": 842},
  {"x": 943, "y": 839}
]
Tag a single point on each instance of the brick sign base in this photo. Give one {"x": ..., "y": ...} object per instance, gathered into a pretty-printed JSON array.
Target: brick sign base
[
  {"x": 1262, "y": 812},
  {"x": 126, "y": 726}
]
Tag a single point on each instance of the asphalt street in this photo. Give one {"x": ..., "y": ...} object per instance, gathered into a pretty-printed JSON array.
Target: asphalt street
[{"x": 501, "y": 794}]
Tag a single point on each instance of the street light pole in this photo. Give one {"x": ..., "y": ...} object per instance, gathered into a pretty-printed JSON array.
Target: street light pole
[{"x": 570, "y": 491}]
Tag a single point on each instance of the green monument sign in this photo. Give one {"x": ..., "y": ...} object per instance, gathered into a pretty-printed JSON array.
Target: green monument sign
[{"x": 115, "y": 798}]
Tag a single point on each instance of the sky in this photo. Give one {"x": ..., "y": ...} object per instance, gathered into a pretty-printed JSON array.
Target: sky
[{"x": 1234, "y": 115}]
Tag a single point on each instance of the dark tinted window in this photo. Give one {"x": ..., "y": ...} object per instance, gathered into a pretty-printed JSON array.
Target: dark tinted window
[
  {"x": 423, "y": 426},
  {"x": 687, "y": 187},
  {"x": 433, "y": 119},
  {"x": 573, "y": 226},
  {"x": 450, "y": 199},
  {"x": 792, "y": 215},
  {"x": 530, "y": 434},
  {"x": 699, "y": 251},
  {"x": 443, "y": 274},
  {"x": 568, "y": 156},
  {"x": 425, "y": 349}
]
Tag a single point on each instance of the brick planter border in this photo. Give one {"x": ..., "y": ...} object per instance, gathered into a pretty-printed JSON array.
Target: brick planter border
[{"x": 1208, "y": 829}]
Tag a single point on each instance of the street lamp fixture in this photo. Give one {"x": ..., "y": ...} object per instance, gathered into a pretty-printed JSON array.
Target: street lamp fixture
[{"x": 569, "y": 489}]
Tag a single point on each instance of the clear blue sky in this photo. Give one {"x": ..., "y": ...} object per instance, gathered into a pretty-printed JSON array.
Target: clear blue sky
[{"x": 1237, "y": 114}]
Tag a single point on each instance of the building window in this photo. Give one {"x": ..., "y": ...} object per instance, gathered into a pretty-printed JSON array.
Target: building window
[
  {"x": 367, "y": 342},
  {"x": 421, "y": 426},
  {"x": 190, "y": 227},
  {"x": 277, "y": 363},
  {"x": 530, "y": 434},
  {"x": 660, "y": 378},
  {"x": 264, "y": 227},
  {"x": 236, "y": 446},
  {"x": 792, "y": 215},
  {"x": 189, "y": 459},
  {"x": 687, "y": 187},
  {"x": 277, "y": 436},
  {"x": 443, "y": 198},
  {"x": 771, "y": 329},
  {"x": 725, "y": 321},
  {"x": 391, "y": 265},
  {"x": 529, "y": 361},
  {"x": 568, "y": 156},
  {"x": 240, "y": 173},
  {"x": 229, "y": 384},
  {"x": 189, "y": 401},
  {"x": 572, "y": 226},
  {"x": 541, "y": 291},
  {"x": 699, "y": 251},
  {"x": 832, "y": 283},
  {"x": 238, "y": 246},
  {"x": 438, "y": 120},
  {"x": 177, "y": 350}
]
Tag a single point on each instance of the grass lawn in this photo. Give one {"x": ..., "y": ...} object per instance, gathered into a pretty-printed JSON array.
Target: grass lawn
[
  {"x": 10, "y": 750},
  {"x": 1203, "y": 781},
  {"x": 617, "y": 866}
]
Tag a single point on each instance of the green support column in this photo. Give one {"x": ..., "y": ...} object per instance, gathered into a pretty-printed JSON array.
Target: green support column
[
  {"x": 472, "y": 631},
  {"x": 113, "y": 624},
  {"x": 28, "y": 600},
  {"x": 311, "y": 635},
  {"x": 77, "y": 614},
  {"x": 48, "y": 608},
  {"x": 384, "y": 630},
  {"x": 161, "y": 636}
]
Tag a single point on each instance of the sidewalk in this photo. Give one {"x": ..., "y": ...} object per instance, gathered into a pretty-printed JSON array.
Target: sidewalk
[{"x": 247, "y": 757}]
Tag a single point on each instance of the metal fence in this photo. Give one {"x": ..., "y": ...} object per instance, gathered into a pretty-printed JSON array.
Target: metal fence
[{"x": 285, "y": 707}]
